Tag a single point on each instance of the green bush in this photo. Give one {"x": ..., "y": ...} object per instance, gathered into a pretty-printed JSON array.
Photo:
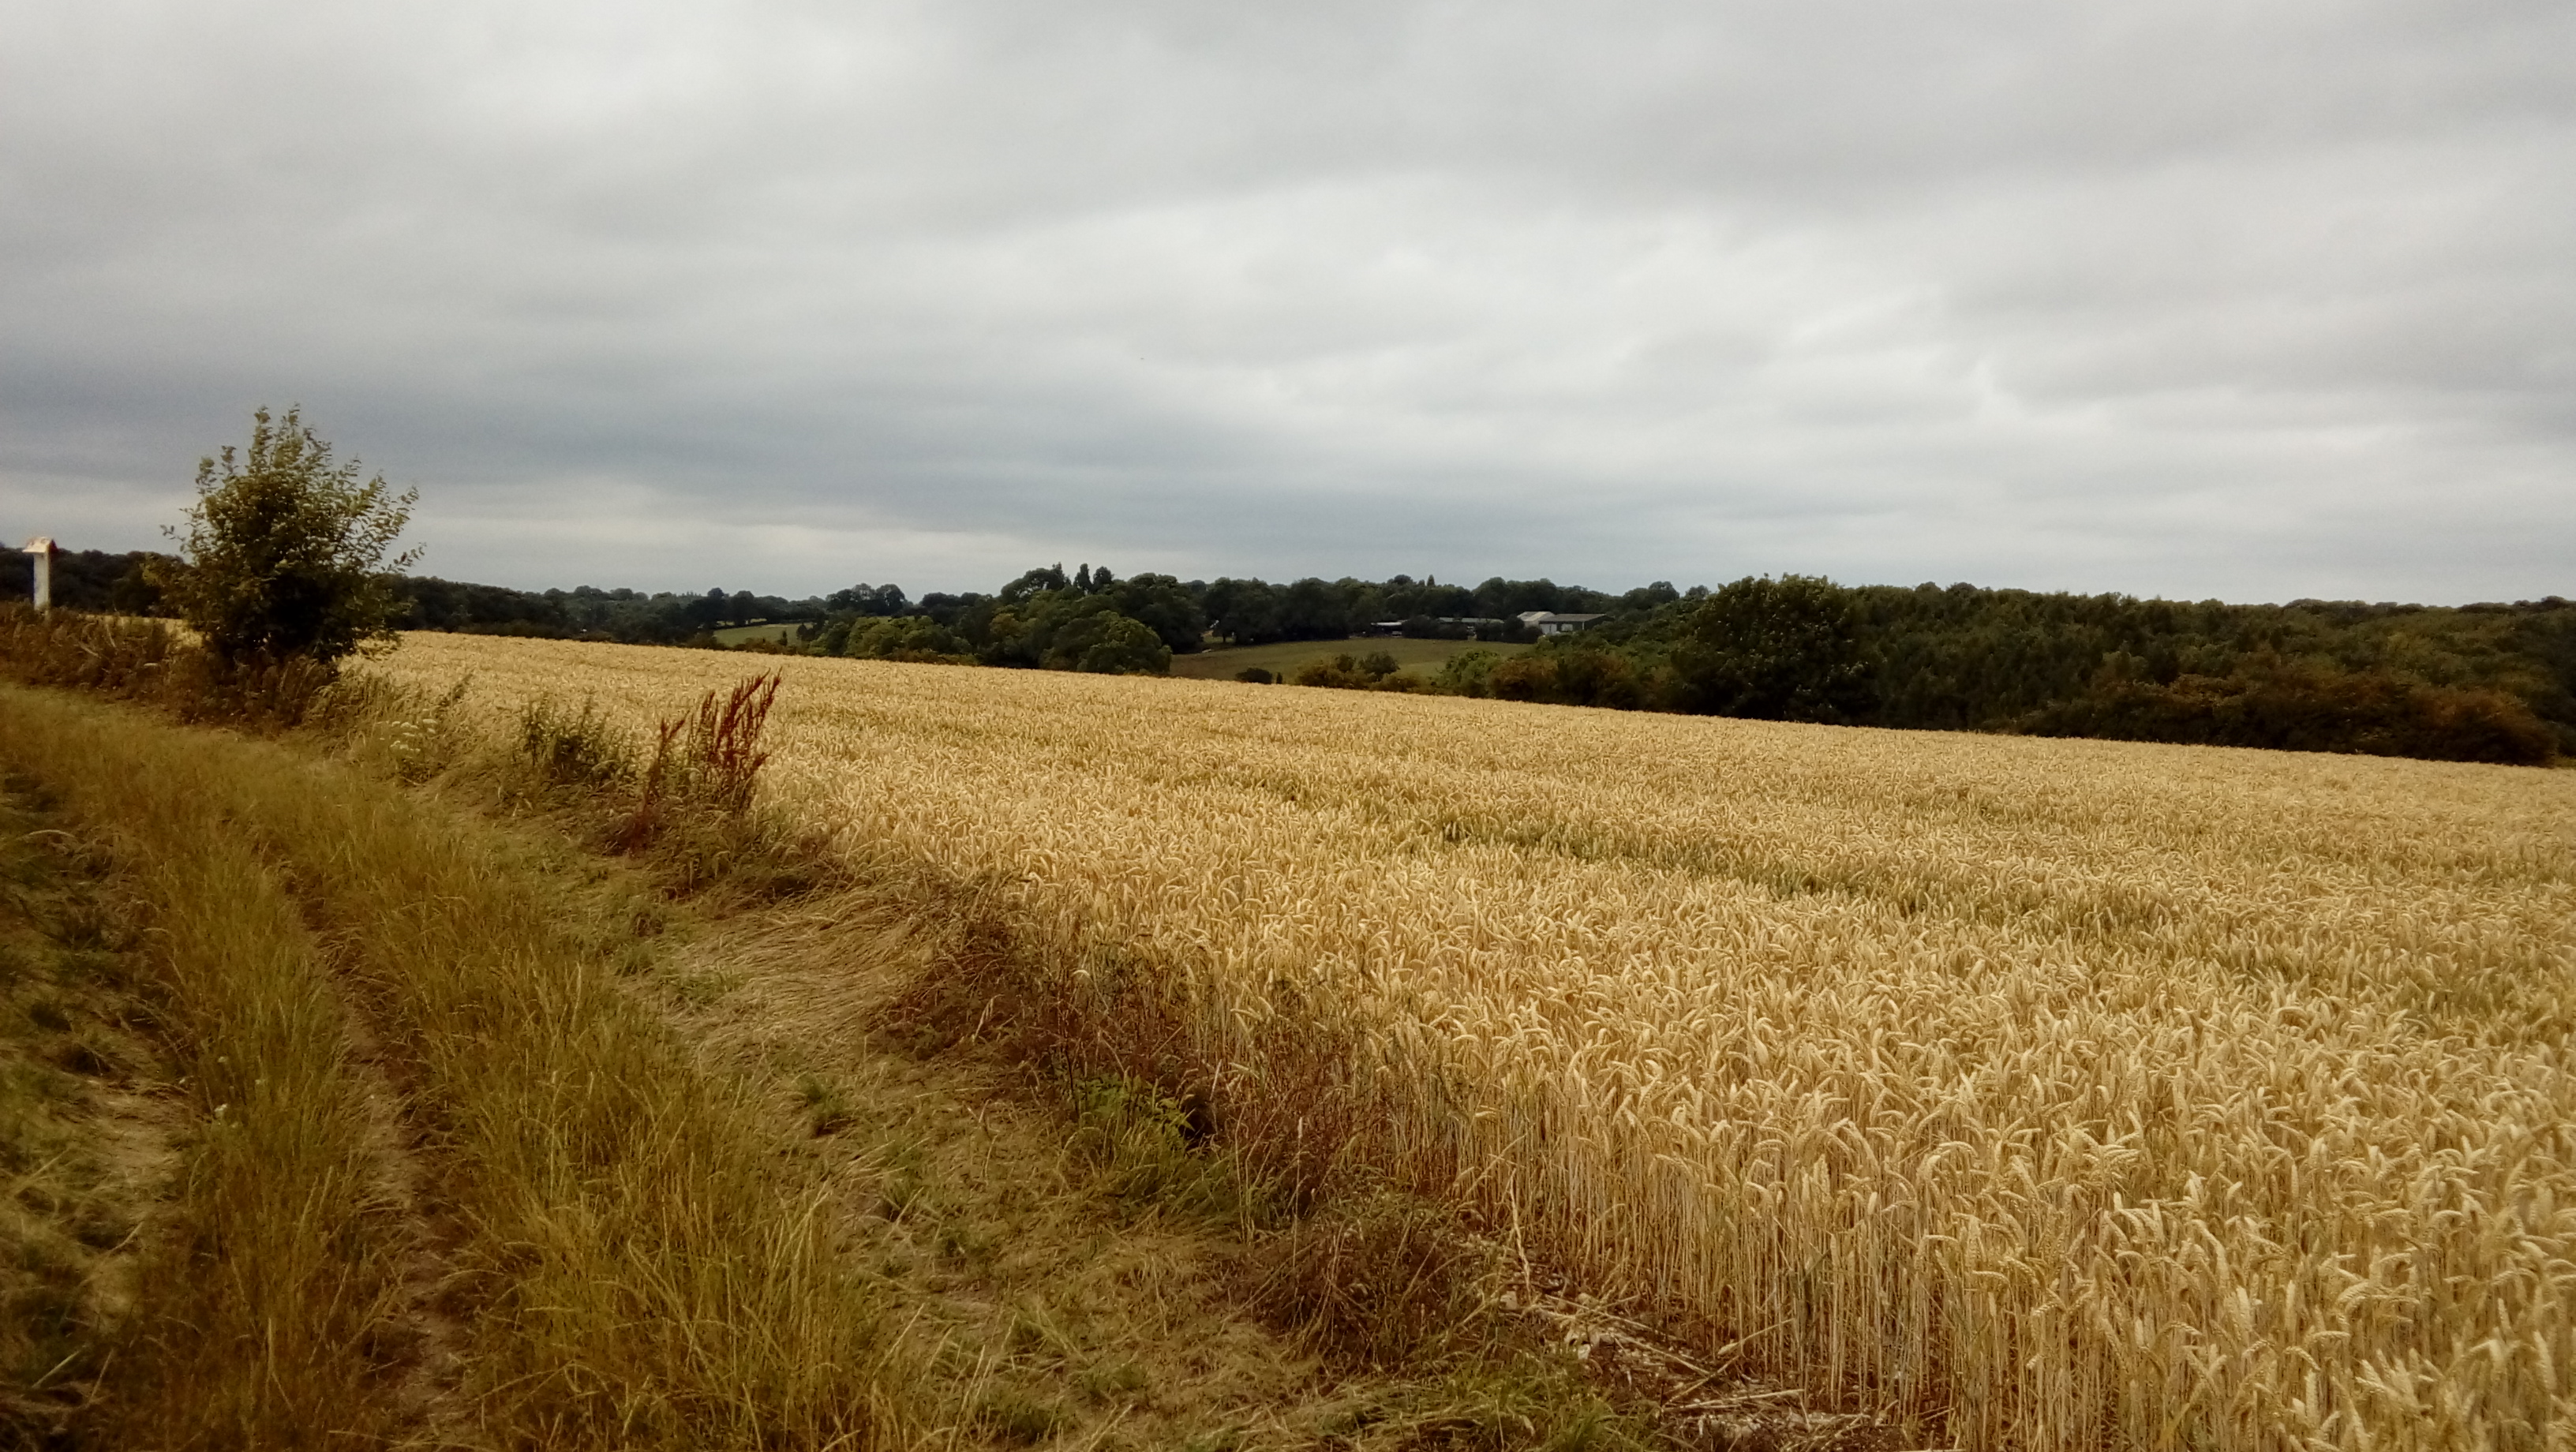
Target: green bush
[
  {"x": 285, "y": 552},
  {"x": 2293, "y": 706}
]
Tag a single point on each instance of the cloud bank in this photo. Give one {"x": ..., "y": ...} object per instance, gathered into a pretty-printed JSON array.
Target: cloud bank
[{"x": 2190, "y": 300}]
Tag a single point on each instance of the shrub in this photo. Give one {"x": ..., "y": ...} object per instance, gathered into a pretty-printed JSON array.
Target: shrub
[
  {"x": 285, "y": 552},
  {"x": 1598, "y": 678},
  {"x": 1468, "y": 673},
  {"x": 2293, "y": 706},
  {"x": 1347, "y": 672},
  {"x": 1522, "y": 678},
  {"x": 147, "y": 661}
]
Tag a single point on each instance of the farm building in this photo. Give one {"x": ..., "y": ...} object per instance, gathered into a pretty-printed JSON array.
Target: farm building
[{"x": 1549, "y": 622}]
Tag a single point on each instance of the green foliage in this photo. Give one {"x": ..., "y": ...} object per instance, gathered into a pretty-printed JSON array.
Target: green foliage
[
  {"x": 1105, "y": 642},
  {"x": 1069, "y": 629},
  {"x": 581, "y": 750},
  {"x": 895, "y": 637},
  {"x": 1150, "y": 1149},
  {"x": 1781, "y": 650},
  {"x": 827, "y": 1105},
  {"x": 285, "y": 552},
  {"x": 1348, "y": 673},
  {"x": 1468, "y": 673},
  {"x": 2271, "y": 702}
]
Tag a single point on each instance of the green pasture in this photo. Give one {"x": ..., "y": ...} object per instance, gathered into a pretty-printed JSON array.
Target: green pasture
[
  {"x": 782, "y": 631},
  {"x": 1284, "y": 657}
]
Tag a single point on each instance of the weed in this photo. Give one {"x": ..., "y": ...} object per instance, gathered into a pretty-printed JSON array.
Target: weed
[
  {"x": 613, "y": 1203},
  {"x": 827, "y": 1107},
  {"x": 707, "y": 762},
  {"x": 1017, "y": 1417},
  {"x": 1140, "y": 1139},
  {"x": 70, "y": 1212},
  {"x": 1378, "y": 1278},
  {"x": 576, "y": 750}
]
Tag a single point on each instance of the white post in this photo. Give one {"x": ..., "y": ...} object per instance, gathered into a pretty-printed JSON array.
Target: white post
[{"x": 43, "y": 549}]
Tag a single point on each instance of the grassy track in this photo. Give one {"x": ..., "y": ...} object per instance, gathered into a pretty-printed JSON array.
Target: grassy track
[
  {"x": 86, "y": 1114},
  {"x": 281, "y": 1310},
  {"x": 633, "y": 1266}
]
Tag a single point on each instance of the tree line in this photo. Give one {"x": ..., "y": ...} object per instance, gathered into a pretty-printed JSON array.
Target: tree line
[{"x": 2487, "y": 682}]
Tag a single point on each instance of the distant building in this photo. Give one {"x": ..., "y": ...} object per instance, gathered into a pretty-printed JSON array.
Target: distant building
[
  {"x": 1470, "y": 623},
  {"x": 1548, "y": 622}
]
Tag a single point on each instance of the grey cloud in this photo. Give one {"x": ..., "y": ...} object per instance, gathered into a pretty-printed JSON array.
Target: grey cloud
[{"x": 2193, "y": 299}]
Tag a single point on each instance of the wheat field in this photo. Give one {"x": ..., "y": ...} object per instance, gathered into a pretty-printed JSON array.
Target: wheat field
[{"x": 2033, "y": 1093}]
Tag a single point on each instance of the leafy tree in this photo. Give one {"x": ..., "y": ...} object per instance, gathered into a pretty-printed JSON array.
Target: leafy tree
[
  {"x": 895, "y": 637},
  {"x": 1160, "y": 603},
  {"x": 1044, "y": 578},
  {"x": 865, "y": 599},
  {"x": 1105, "y": 642},
  {"x": 1781, "y": 650},
  {"x": 1244, "y": 611},
  {"x": 285, "y": 551},
  {"x": 1313, "y": 610}
]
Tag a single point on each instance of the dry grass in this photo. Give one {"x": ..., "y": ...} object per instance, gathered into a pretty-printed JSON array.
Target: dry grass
[
  {"x": 2040, "y": 1093},
  {"x": 85, "y": 1120},
  {"x": 274, "y": 1299},
  {"x": 613, "y": 1240},
  {"x": 1072, "y": 1269}
]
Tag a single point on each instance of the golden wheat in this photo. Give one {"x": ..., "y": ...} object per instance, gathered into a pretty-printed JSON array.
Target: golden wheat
[{"x": 2039, "y": 1093}]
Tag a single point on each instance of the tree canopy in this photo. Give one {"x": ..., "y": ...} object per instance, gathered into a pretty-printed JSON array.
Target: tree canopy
[
  {"x": 1784, "y": 650},
  {"x": 286, "y": 553}
]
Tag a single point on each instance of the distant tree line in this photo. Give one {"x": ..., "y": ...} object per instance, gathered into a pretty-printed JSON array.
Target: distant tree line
[{"x": 2489, "y": 682}]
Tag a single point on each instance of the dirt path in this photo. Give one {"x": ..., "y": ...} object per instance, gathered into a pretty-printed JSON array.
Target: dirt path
[
  {"x": 430, "y": 1328},
  {"x": 1051, "y": 1312}
]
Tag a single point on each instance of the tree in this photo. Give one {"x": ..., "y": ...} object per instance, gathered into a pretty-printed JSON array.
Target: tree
[
  {"x": 1780, "y": 650},
  {"x": 1107, "y": 643},
  {"x": 285, "y": 551},
  {"x": 1159, "y": 603}
]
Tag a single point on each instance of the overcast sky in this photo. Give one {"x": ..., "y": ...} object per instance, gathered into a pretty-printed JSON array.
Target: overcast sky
[{"x": 2186, "y": 299}]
